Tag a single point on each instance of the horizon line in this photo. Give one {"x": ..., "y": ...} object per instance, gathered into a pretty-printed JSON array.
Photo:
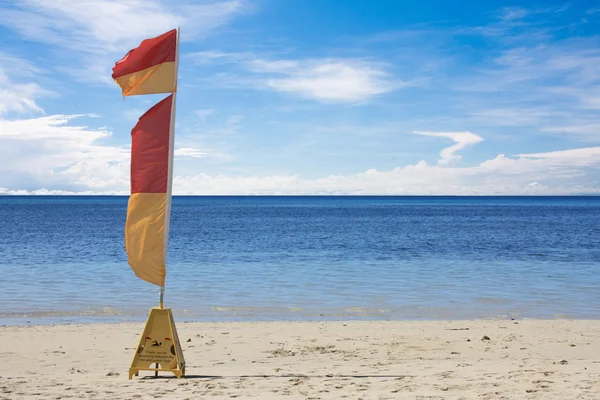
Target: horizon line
[{"x": 310, "y": 195}]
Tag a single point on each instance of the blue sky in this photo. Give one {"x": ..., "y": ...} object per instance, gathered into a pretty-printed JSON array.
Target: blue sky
[{"x": 306, "y": 96}]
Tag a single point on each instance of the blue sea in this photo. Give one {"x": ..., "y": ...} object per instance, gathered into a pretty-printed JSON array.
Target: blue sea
[{"x": 62, "y": 259}]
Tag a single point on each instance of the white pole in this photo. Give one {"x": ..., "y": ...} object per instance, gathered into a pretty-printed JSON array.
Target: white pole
[{"x": 170, "y": 173}]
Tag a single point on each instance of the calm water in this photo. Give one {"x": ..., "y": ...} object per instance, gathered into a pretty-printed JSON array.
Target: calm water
[{"x": 62, "y": 259}]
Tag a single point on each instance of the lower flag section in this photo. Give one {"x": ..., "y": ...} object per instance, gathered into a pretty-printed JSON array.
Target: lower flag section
[
  {"x": 146, "y": 225},
  {"x": 144, "y": 236}
]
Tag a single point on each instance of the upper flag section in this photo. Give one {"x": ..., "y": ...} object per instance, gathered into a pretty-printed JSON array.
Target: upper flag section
[{"x": 150, "y": 68}]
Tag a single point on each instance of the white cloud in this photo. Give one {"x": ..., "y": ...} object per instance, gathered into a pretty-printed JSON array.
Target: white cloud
[
  {"x": 187, "y": 152},
  {"x": 462, "y": 139},
  {"x": 46, "y": 192},
  {"x": 561, "y": 172},
  {"x": 49, "y": 150},
  {"x": 573, "y": 171},
  {"x": 51, "y": 155},
  {"x": 328, "y": 80}
]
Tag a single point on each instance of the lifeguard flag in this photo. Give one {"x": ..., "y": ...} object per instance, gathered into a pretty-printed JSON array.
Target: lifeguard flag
[
  {"x": 150, "y": 68},
  {"x": 148, "y": 210}
]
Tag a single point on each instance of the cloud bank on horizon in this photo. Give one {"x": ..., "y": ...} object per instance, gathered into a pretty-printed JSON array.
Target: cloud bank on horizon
[{"x": 433, "y": 101}]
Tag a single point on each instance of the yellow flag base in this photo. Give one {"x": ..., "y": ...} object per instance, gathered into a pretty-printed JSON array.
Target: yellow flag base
[{"x": 159, "y": 345}]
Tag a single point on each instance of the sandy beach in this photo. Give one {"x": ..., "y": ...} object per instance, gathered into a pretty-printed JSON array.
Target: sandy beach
[{"x": 525, "y": 359}]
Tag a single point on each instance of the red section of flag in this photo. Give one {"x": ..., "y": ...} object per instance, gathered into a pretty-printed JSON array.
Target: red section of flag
[
  {"x": 149, "y": 53},
  {"x": 150, "y": 149}
]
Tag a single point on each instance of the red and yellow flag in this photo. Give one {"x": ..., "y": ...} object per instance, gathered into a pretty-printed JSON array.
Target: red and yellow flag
[
  {"x": 150, "y": 68},
  {"x": 147, "y": 223}
]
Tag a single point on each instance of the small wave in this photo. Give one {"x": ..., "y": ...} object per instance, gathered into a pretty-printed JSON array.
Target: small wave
[{"x": 100, "y": 312}]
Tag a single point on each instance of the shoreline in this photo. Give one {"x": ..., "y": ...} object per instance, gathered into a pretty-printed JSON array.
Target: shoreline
[
  {"x": 142, "y": 320},
  {"x": 111, "y": 315},
  {"x": 442, "y": 359},
  {"x": 97, "y": 321}
]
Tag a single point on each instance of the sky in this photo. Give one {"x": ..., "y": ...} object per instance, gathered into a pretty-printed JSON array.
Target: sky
[{"x": 301, "y": 97}]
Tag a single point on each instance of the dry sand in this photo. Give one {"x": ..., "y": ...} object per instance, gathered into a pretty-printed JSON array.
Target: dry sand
[{"x": 527, "y": 359}]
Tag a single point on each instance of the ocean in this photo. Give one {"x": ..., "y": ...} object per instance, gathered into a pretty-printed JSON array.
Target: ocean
[{"x": 240, "y": 258}]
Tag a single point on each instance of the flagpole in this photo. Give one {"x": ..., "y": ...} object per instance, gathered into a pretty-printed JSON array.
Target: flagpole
[{"x": 171, "y": 154}]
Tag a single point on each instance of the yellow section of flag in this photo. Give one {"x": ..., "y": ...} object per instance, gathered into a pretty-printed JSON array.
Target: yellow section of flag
[{"x": 144, "y": 236}]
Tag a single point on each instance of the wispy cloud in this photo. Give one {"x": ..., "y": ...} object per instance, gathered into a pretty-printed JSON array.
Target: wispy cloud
[
  {"x": 217, "y": 57},
  {"x": 518, "y": 116},
  {"x": 133, "y": 114},
  {"x": 510, "y": 14},
  {"x": 19, "y": 67},
  {"x": 207, "y": 135},
  {"x": 203, "y": 113},
  {"x": 537, "y": 76},
  {"x": 96, "y": 30},
  {"x": 462, "y": 139},
  {"x": 586, "y": 156},
  {"x": 589, "y": 130},
  {"x": 111, "y": 25},
  {"x": 19, "y": 96}
]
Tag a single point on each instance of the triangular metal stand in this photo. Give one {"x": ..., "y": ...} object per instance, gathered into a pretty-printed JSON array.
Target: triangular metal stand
[{"x": 159, "y": 345}]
